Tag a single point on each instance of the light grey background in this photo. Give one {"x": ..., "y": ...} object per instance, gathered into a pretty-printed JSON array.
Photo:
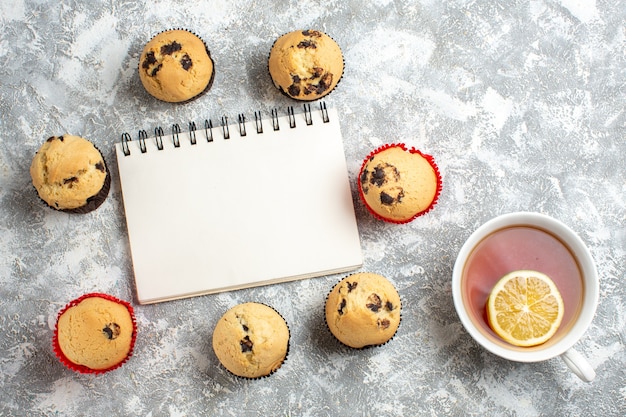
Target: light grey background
[{"x": 521, "y": 104}]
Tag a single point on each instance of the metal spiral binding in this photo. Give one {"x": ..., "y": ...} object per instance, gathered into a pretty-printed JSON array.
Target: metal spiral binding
[
  {"x": 324, "y": 111},
  {"x": 242, "y": 124},
  {"x": 208, "y": 128},
  {"x": 308, "y": 117},
  {"x": 258, "y": 121},
  {"x": 143, "y": 135},
  {"x": 125, "y": 139},
  {"x": 275, "y": 119},
  {"x": 225, "y": 128},
  {"x": 192, "y": 132},
  {"x": 175, "y": 133},
  {"x": 158, "y": 135},
  {"x": 292, "y": 117}
]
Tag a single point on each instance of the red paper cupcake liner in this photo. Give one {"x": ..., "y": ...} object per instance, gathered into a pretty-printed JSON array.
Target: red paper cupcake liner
[
  {"x": 82, "y": 368},
  {"x": 428, "y": 158}
]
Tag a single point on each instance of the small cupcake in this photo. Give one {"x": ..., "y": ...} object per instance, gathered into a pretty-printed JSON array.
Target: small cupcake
[
  {"x": 251, "y": 340},
  {"x": 305, "y": 64},
  {"x": 397, "y": 185},
  {"x": 363, "y": 310},
  {"x": 176, "y": 66},
  {"x": 95, "y": 333},
  {"x": 70, "y": 174}
]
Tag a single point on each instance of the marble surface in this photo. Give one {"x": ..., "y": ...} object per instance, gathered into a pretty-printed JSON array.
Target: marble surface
[{"x": 521, "y": 103}]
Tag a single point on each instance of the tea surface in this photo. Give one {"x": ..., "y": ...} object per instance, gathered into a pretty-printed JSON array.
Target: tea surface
[{"x": 515, "y": 248}]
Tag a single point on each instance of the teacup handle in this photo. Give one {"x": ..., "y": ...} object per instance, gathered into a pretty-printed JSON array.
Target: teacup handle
[{"x": 579, "y": 365}]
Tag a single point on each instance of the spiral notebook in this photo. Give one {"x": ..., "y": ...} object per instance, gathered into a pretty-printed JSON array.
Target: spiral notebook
[{"x": 227, "y": 206}]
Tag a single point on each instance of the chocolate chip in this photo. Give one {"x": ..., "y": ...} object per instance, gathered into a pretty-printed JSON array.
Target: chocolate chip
[
  {"x": 324, "y": 83},
  {"x": 51, "y": 138},
  {"x": 155, "y": 70},
  {"x": 342, "y": 306},
  {"x": 386, "y": 199},
  {"x": 150, "y": 59},
  {"x": 317, "y": 72},
  {"x": 61, "y": 138},
  {"x": 294, "y": 90},
  {"x": 100, "y": 167},
  {"x": 378, "y": 176},
  {"x": 314, "y": 33},
  {"x": 296, "y": 79},
  {"x": 170, "y": 48},
  {"x": 384, "y": 172},
  {"x": 352, "y": 285},
  {"x": 185, "y": 61},
  {"x": 364, "y": 183},
  {"x": 246, "y": 344},
  {"x": 245, "y": 328},
  {"x": 374, "y": 303},
  {"x": 70, "y": 181},
  {"x": 389, "y": 306},
  {"x": 310, "y": 88},
  {"x": 307, "y": 44},
  {"x": 383, "y": 323},
  {"x": 112, "y": 331}
]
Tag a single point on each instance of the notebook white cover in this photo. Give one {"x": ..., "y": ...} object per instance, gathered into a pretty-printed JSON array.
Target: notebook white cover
[{"x": 240, "y": 212}]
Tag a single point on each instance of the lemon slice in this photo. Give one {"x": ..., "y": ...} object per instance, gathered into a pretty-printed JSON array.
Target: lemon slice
[{"x": 525, "y": 308}]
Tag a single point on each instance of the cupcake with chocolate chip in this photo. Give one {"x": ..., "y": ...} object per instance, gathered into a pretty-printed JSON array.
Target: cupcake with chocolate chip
[
  {"x": 398, "y": 184},
  {"x": 251, "y": 340},
  {"x": 363, "y": 310},
  {"x": 95, "y": 333},
  {"x": 70, "y": 174},
  {"x": 176, "y": 66},
  {"x": 305, "y": 64}
]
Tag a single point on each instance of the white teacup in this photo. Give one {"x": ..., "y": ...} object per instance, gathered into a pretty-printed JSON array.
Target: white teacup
[{"x": 523, "y": 240}]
